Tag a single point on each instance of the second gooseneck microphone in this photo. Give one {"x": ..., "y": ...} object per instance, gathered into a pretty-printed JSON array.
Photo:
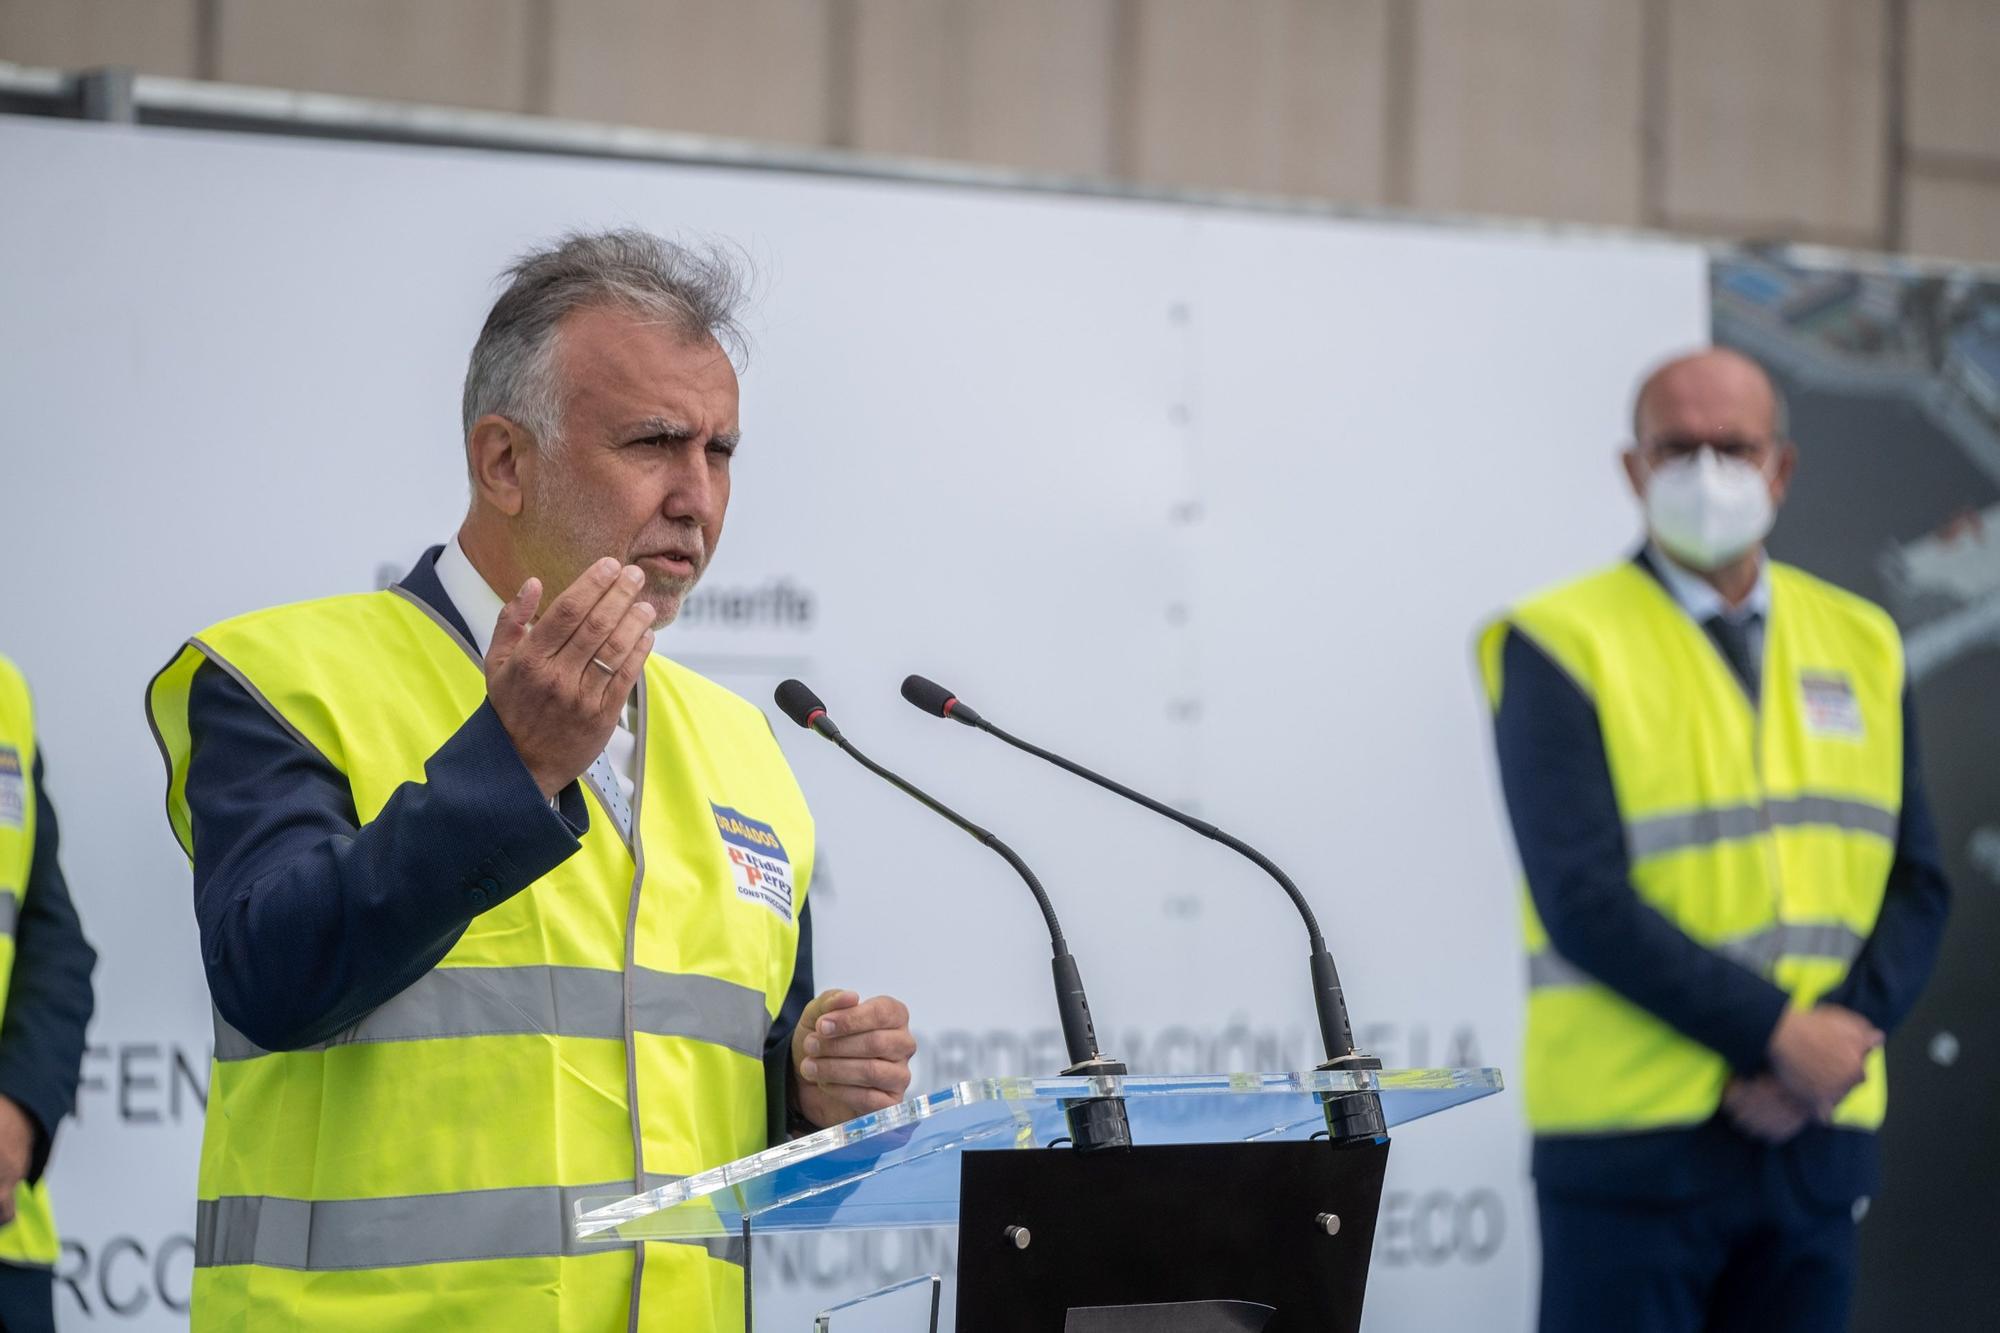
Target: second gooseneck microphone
[
  {"x": 1095, "y": 1122},
  {"x": 1350, "y": 1118}
]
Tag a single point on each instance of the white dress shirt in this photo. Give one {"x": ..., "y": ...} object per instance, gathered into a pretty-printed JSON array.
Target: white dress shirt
[
  {"x": 481, "y": 606},
  {"x": 1703, "y": 603}
]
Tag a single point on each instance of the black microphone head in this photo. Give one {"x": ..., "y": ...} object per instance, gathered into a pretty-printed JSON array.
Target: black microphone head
[
  {"x": 797, "y": 701},
  {"x": 938, "y": 701},
  {"x": 928, "y": 695}
]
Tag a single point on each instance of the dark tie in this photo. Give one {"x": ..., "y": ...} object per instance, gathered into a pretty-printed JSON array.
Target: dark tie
[{"x": 1732, "y": 639}]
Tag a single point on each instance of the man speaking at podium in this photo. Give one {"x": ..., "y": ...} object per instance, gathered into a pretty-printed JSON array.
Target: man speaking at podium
[
  {"x": 1734, "y": 890},
  {"x": 498, "y": 909}
]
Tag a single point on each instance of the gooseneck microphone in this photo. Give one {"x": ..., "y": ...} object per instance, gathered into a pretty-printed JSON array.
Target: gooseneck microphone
[
  {"x": 1351, "y": 1118},
  {"x": 1096, "y": 1122}
]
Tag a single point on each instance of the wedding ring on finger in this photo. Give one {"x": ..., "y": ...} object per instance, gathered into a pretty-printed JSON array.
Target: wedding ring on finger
[{"x": 603, "y": 666}]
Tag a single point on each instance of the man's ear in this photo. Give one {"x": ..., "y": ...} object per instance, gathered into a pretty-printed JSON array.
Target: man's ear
[
  {"x": 1788, "y": 466},
  {"x": 1635, "y": 470},
  {"x": 497, "y": 452}
]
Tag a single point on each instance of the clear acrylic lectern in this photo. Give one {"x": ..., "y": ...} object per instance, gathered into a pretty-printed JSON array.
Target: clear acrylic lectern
[{"x": 1222, "y": 1201}]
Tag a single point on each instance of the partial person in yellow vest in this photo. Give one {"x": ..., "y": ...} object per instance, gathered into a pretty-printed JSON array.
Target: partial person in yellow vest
[
  {"x": 1733, "y": 889},
  {"x": 500, "y": 910},
  {"x": 45, "y": 1004}
]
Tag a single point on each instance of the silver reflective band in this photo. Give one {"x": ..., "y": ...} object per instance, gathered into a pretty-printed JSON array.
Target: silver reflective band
[
  {"x": 1697, "y": 828},
  {"x": 1661, "y": 834},
  {"x": 334, "y": 1235},
  {"x": 1834, "y": 811},
  {"x": 549, "y": 1001},
  {"x": 10, "y": 912},
  {"x": 1549, "y": 968},
  {"x": 1760, "y": 951}
]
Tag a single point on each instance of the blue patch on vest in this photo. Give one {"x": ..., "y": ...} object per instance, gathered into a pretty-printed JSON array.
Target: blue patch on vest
[{"x": 757, "y": 860}]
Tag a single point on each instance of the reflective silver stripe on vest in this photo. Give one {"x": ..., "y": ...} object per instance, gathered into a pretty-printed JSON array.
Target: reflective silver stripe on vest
[
  {"x": 1759, "y": 951},
  {"x": 10, "y": 912},
  {"x": 1661, "y": 834},
  {"x": 335, "y": 1235},
  {"x": 552, "y": 1001},
  {"x": 1549, "y": 968},
  {"x": 1833, "y": 811}
]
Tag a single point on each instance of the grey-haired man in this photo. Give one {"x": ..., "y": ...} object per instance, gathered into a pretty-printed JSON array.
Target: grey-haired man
[{"x": 499, "y": 909}]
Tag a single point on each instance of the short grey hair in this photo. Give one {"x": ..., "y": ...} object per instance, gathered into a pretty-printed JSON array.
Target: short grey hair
[{"x": 698, "y": 289}]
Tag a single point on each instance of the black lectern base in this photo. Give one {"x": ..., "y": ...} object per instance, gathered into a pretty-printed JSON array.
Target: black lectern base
[{"x": 1051, "y": 1239}]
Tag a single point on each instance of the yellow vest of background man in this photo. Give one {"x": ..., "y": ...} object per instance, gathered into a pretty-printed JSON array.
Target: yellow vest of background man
[
  {"x": 31, "y": 1237},
  {"x": 598, "y": 1033},
  {"x": 1763, "y": 830}
]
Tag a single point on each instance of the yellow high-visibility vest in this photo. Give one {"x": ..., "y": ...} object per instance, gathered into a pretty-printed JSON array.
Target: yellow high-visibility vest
[
  {"x": 599, "y": 1033},
  {"x": 31, "y": 1237},
  {"x": 1765, "y": 831}
]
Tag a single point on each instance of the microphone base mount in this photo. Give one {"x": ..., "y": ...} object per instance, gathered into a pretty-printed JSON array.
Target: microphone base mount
[
  {"x": 1097, "y": 1123},
  {"x": 1353, "y": 1117}
]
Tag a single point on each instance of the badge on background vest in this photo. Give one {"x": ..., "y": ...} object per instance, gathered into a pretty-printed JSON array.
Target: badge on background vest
[
  {"x": 757, "y": 859},
  {"x": 13, "y": 789},
  {"x": 1830, "y": 706}
]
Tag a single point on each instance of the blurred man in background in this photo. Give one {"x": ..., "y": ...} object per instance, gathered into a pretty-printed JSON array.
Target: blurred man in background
[
  {"x": 45, "y": 1003},
  {"x": 499, "y": 910},
  {"x": 1733, "y": 889}
]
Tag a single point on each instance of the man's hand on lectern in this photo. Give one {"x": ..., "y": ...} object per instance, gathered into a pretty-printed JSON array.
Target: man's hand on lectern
[
  {"x": 560, "y": 682},
  {"x": 852, "y": 1056}
]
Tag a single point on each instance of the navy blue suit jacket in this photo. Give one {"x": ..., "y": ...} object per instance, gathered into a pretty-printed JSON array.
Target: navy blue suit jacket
[
  {"x": 1572, "y": 846},
  {"x": 309, "y": 919},
  {"x": 49, "y": 999}
]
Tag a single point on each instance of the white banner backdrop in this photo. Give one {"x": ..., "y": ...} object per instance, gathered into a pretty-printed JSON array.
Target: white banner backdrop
[{"x": 1211, "y": 500}]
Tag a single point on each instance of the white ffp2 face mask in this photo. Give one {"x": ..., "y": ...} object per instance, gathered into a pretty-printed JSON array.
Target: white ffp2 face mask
[{"x": 1708, "y": 510}]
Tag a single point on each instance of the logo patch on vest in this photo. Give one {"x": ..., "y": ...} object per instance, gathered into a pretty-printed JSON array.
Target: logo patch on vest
[
  {"x": 13, "y": 788},
  {"x": 756, "y": 858},
  {"x": 1831, "y": 708}
]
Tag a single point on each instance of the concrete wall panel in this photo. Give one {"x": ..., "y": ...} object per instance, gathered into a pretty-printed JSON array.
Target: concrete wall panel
[
  {"x": 1954, "y": 77},
  {"x": 156, "y": 36},
  {"x": 454, "y": 52},
  {"x": 1954, "y": 219},
  {"x": 1531, "y": 108},
  {"x": 750, "y": 69},
  {"x": 1775, "y": 117},
  {"x": 1018, "y": 83},
  {"x": 1282, "y": 96}
]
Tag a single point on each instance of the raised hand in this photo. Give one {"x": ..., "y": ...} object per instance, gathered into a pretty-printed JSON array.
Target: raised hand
[{"x": 559, "y": 682}]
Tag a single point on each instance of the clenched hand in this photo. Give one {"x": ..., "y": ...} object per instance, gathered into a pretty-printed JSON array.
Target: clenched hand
[
  {"x": 852, "y": 1056},
  {"x": 17, "y": 1146},
  {"x": 1761, "y": 1108},
  {"x": 1820, "y": 1055}
]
